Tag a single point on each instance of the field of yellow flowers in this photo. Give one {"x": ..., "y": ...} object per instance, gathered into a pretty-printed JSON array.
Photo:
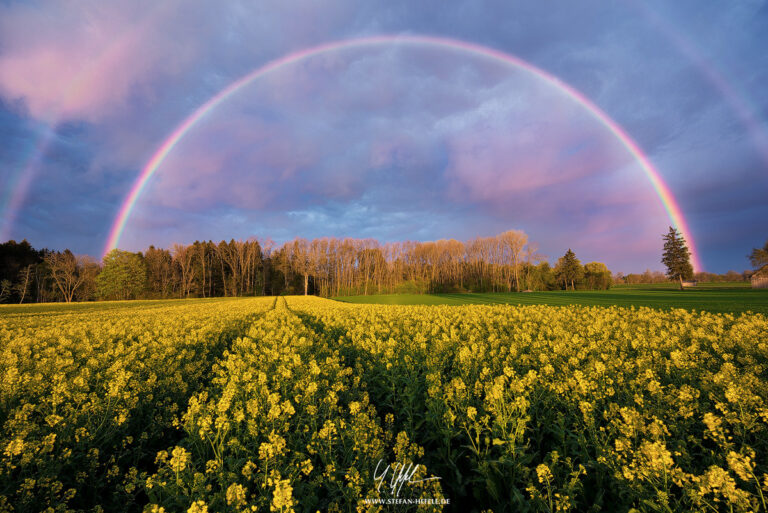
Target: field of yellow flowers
[{"x": 306, "y": 404}]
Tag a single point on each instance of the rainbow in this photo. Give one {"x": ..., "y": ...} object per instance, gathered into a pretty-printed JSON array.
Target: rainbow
[
  {"x": 671, "y": 206},
  {"x": 736, "y": 100}
]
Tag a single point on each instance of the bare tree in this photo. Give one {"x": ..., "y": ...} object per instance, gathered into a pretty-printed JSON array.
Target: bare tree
[
  {"x": 69, "y": 272},
  {"x": 184, "y": 256},
  {"x": 5, "y": 289},
  {"x": 514, "y": 242},
  {"x": 202, "y": 256},
  {"x": 300, "y": 260},
  {"x": 22, "y": 287},
  {"x": 159, "y": 270},
  {"x": 227, "y": 253},
  {"x": 266, "y": 250}
]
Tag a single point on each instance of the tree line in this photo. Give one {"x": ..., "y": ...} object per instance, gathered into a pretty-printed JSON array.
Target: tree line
[
  {"x": 324, "y": 266},
  {"x": 676, "y": 258},
  {"x": 650, "y": 277}
]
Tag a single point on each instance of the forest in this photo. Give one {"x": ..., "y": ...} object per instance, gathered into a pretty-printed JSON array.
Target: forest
[{"x": 323, "y": 266}]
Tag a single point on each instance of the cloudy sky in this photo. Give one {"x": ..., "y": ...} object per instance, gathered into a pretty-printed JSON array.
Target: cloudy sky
[{"x": 395, "y": 140}]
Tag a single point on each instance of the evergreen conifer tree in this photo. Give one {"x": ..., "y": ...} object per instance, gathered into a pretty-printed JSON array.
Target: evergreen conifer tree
[{"x": 676, "y": 257}]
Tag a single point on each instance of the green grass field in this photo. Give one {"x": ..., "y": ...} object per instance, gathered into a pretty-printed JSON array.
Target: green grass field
[{"x": 711, "y": 297}]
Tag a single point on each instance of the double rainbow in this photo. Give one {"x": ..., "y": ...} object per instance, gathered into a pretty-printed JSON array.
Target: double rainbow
[{"x": 662, "y": 190}]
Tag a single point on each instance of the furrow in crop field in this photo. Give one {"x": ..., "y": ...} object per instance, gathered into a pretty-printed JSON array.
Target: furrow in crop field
[
  {"x": 535, "y": 407},
  {"x": 284, "y": 425},
  {"x": 87, "y": 399}
]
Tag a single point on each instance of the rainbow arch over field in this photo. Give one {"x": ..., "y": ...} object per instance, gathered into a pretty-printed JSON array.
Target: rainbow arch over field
[{"x": 665, "y": 195}]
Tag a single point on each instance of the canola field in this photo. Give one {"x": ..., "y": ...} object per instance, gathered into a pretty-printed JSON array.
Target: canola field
[{"x": 306, "y": 404}]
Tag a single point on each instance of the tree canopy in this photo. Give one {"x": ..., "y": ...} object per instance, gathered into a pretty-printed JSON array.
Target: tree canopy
[
  {"x": 124, "y": 276},
  {"x": 597, "y": 276},
  {"x": 759, "y": 256},
  {"x": 569, "y": 270}
]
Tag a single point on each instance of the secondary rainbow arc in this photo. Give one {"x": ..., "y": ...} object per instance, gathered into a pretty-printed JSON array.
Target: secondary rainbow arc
[
  {"x": 13, "y": 197},
  {"x": 663, "y": 191}
]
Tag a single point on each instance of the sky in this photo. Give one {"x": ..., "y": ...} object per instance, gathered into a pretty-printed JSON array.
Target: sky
[{"x": 395, "y": 140}]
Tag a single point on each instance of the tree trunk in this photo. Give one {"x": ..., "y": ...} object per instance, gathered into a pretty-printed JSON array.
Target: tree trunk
[
  {"x": 26, "y": 284},
  {"x": 681, "y": 281},
  {"x": 306, "y": 283},
  {"x": 517, "y": 280},
  {"x": 203, "y": 287},
  {"x": 223, "y": 276}
]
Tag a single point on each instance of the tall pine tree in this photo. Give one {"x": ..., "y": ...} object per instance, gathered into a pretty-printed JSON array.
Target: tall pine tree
[{"x": 676, "y": 257}]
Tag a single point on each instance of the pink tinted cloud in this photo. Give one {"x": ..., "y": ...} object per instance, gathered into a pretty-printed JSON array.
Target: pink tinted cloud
[
  {"x": 240, "y": 161},
  {"x": 612, "y": 217},
  {"x": 86, "y": 60},
  {"x": 502, "y": 163},
  {"x": 237, "y": 161},
  {"x": 629, "y": 235}
]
